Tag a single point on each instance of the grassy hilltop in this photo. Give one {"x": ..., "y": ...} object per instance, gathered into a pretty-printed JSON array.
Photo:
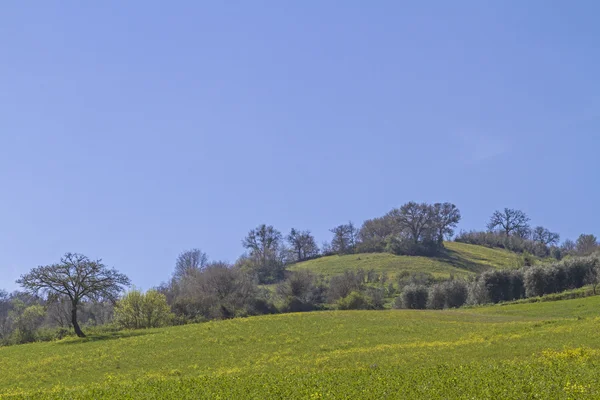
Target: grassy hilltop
[
  {"x": 460, "y": 259},
  {"x": 540, "y": 350}
]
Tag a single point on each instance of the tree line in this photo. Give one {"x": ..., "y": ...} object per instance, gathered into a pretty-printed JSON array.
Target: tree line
[{"x": 61, "y": 297}]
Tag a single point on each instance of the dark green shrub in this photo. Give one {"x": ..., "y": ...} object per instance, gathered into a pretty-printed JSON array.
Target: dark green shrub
[
  {"x": 354, "y": 301},
  {"x": 414, "y": 297}
]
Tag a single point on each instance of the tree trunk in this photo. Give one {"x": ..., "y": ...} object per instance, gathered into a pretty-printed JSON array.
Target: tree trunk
[{"x": 78, "y": 330}]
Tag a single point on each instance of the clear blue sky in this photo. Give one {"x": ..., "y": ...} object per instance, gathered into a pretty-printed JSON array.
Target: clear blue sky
[{"x": 131, "y": 131}]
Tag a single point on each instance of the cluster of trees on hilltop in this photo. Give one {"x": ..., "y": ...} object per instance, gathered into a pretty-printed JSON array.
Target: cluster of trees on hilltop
[
  {"x": 510, "y": 229},
  {"x": 412, "y": 229}
]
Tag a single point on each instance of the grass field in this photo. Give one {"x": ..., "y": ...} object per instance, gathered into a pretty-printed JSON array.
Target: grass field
[
  {"x": 461, "y": 259},
  {"x": 540, "y": 350}
]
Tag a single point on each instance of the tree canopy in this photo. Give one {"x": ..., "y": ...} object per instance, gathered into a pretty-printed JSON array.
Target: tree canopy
[{"x": 78, "y": 278}]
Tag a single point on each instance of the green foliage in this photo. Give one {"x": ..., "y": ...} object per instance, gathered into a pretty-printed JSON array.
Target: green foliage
[
  {"x": 449, "y": 294},
  {"x": 28, "y": 323},
  {"x": 354, "y": 301},
  {"x": 414, "y": 297},
  {"x": 568, "y": 274},
  {"x": 459, "y": 259},
  {"x": 137, "y": 310}
]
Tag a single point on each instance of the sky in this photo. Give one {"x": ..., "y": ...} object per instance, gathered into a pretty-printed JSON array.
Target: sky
[{"x": 131, "y": 131}]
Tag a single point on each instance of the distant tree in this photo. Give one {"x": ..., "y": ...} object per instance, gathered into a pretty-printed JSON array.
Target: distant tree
[
  {"x": 188, "y": 262},
  {"x": 373, "y": 234},
  {"x": 511, "y": 222},
  {"x": 219, "y": 291},
  {"x": 303, "y": 244},
  {"x": 263, "y": 242},
  {"x": 447, "y": 216},
  {"x": 78, "y": 278},
  {"x": 344, "y": 238},
  {"x": 267, "y": 254},
  {"x": 586, "y": 244},
  {"x": 5, "y": 307},
  {"x": 544, "y": 236},
  {"x": 568, "y": 247},
  {"x": 416, "y": 220}
]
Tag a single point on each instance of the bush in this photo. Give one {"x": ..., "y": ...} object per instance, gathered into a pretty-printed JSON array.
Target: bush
[
  {"x": 449, "y": 294},
  {"x": 568, "y": 274},
  {"x": 342, "y": 285},
  {"x": 437, "y": 297},
  {"x": 354, "y": 301},
  {"x": 138, "y": 310},
  {"x": 301, "y": 291},
  {"x": 496, "y": 286},
  {"x": 28, "y": 323},
  {"x": 376, "y": 297},
  {"x": 414, "y": 297}
]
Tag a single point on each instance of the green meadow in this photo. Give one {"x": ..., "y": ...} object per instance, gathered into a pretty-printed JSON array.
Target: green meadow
[
  {"x": 522, "y": 351},
  {"x": 460, "y": 259}
]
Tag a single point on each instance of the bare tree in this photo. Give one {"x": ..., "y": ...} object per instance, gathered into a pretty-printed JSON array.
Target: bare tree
[
  {"x": 190, "y": 261},
  {"x": 303, "y": 244},
  {"x": 344, "y": 238},
  {"x": 510, "y": 221},
  {"x": 568, "y": 247},
  {"x": 267, "y": 253},
  {"x": 544, "y": 236},
  {"x": 586, "y": 244},
  {"x": 447, "y": 216},
  {"x": 263, "y": 242},
  {"x": 78, "y": 278}
]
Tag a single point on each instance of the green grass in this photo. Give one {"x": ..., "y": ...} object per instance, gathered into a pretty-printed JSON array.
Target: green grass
[
  {"x": 461, "y": 259},
  {"x": 539, "y": 350}
]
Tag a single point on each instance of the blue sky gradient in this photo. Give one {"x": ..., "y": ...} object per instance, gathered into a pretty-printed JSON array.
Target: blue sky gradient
[{"x": 131, "y": 131}]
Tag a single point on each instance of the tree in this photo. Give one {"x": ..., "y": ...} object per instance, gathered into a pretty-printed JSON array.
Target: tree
[
  {"x": 219, "y": 291},
  {"x": 586, "y": 244},
  {"x": 263, "y": 242},
  {"x": 510, "y": 221},
  {"x": 267, "y": 254},
  {"x": 137, "y": 310},
  {"x": 568, "y": 247},
  {"x": 78, "y": 278},
  {"x": 544, "y": 236},
  {"x": 303, "y": 244},
  {"x": 5, "y": 307},
  {"x": 373, "y": 234},
  {"x": 188, "y": 262},
  {"x": 447, "y": 216},
  {"x": 416, "y": 220},
  {"x": 344, "y": 238}
]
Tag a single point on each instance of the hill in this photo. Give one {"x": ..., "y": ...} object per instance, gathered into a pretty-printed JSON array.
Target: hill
[
  {"x": 540, "y": 350},
  {"x": 460, "y": 259}
]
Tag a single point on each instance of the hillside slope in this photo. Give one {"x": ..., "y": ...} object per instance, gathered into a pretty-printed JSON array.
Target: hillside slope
[
  {"x": 461, "y": 259},
  {"x": 541, "y": 350}
]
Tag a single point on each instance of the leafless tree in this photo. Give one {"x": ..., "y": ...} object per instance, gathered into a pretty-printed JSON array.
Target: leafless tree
[
  {"x": 190, "y": 261},
  {"x": 78, "y": 278},
  {"x": 447, "y": 216},
  {"x": 344, "y": 238},
  {"x": 510, "y": 221},
  {"x": 586, "y": 244},
  {"x": 303, "y": 244},
  {"x": 544, "y": 236}
]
